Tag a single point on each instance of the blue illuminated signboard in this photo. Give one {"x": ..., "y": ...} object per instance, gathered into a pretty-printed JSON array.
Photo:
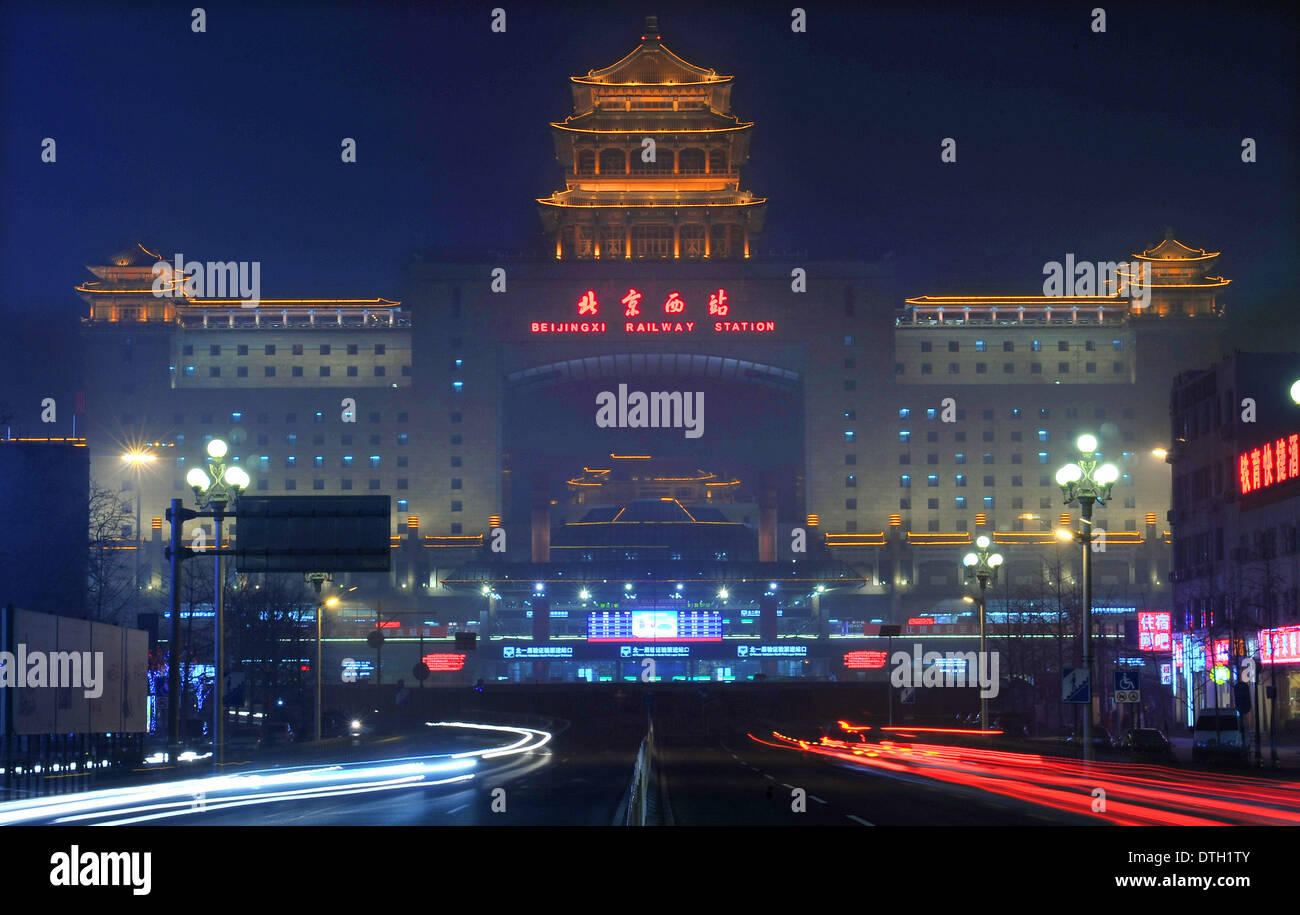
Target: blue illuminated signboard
[
  {"x": 536, "y": 652},
  {"x": 655, "y": 625},
  {"x": 771, "y": 651}
]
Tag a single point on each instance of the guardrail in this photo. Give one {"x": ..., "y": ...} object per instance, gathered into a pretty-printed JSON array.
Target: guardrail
[{"x": 646, "y": 802}]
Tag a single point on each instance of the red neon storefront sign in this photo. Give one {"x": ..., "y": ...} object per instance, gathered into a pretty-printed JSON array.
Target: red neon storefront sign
[
  {"x": 1280, "y": 646},
  {"x": 1154, "y": 630},
  {"x": 1274, "y": 462}
]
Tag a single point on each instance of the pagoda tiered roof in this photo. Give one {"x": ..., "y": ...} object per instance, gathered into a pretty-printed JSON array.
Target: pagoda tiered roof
[{"x": 698, "y": 120}]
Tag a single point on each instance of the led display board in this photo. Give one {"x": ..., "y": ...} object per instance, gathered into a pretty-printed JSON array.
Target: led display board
[
  {"x": 652, "y": 625},
  {"x": 865, "y": 660},
  {"x": 444, "y": 661}
]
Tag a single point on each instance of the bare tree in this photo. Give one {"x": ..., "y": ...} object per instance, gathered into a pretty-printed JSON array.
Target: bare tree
[
  {"x": 268, "y": 619},
  {"x": 109, "y": 588}
]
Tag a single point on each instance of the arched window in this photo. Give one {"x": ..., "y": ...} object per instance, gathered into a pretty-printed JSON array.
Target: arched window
[
  {"x": 718, "y": 161},
  {"x": 691, "y": 161},
  {"x": 613, "y": 162},
  {"x": 586, "y": 162}
]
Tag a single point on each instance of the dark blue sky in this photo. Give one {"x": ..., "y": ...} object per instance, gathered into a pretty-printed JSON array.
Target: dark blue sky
[{"x": 225, "y": 145}]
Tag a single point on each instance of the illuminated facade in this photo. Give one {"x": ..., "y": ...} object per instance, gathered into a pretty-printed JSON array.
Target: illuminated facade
[
  {"x": 652, "y": 158},
  {"x": 451, "y": 399}
]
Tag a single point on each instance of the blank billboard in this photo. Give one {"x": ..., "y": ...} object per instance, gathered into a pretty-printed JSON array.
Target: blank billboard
[{"x": 313, "y": 534}]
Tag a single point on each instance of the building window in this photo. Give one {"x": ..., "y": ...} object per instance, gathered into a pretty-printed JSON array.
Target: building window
[
  {"x": 932, "y": 480},
  {"x": 904, "y": 436},
  {"x": 1117, "y": 345},
  {"x": 262, "y": 485},
  {"x": 1036, "y": 346},
  {"x": 904, "y": 413},
  {"x": 1008, "y": 368},
  {"x": 899, "y": 368},
  {"x": 1063, "y": 367},
  {"x": 374, "y": 483},
  {"x": 1090, "y": 346},
  {"x": 954, "y": 368},
  {"x": 927, "y": 369},
  {"x": 1017, "y": 458},
  {"x": 981, "y": 368},
  {"x": 961, "y": 503},
  {"x": 980, "y": 346},
  {"x": 905, "y": 505},
  {"x": 989, "y": 480},
  {"x": 290, "y": 461},
  {"x": 297, "y": 349},
  {"x": 347, "y": 460},
  {"x": 932, "y": 504},
  {"x": 1035, "y": 368},
  {"x": 851, "y": 505},
  {"x": 905, "y": 480},
  {"x": 402, "y": 505},
  {"x": 374, "y": 460},
  {"x": 848, "y": 339},
  {"x": 457, "y": 417},
  {"x": 988, "y": 435},
  {"x": 849, "y": 435},
  {"x": 1063, "y": 346},
  {"x": 401, "y": 483},
  {"x": 988, "y": 501},
  {"x": 324, "y": 349},
  {"x": 456, "y": 439},
  {"x": 269, "y": 371},
  {"x": 1008, "y": 346},
  {"x": 1042, "y": 457},
  {"x": 925, "y": 346},
  {"x": 290, "y": 484},
  {"x": 187, "y": 349},
  {"x": 457, "y": 483},
  {"x": 324, "y": 371},
  {"x": 1117, "y": 368},
  {"x": 932, "y": 436},
  {"x": 905, "y": 458},
  {"x": 848, "y": 414},
  {"x": 269, "y": 349},
  {"x": 961, "y": 479},
  {"x": 318, "y": 461},
  {"x": 345, "y": 484},
  {"x": 1017, "y": 481},
  {"x": 242, "y": 349},
  {"x": 214, "y": 371},
  {"x": 1016, "y": 435},
  {"x": 345, "y": 439},
  {"x": 988, "y": 457},
  {"x": 317, "y": 484},
  {"x": 380, "y": 349},
  {"x": 932, "y": 458},
  {"x": 297, "y": 371},
  {"x": 953, "y": 346},
  {"x": 291, "y": 438},
  {"x": 849, "y": 384},
  {"x": 403, "y": 438},
  {"x": 457, "y": 506},
  {"x": 241, "y": 371},
  {"x": 380, "y": 371}
]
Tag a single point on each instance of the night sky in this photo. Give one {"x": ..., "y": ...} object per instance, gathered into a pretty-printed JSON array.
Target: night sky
[{"x": 225, "y": 145}]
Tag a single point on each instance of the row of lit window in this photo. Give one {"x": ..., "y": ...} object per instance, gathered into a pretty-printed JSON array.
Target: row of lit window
[
  {"x": 960, "y": 502},
  {"x": 932, "y": 480},
  {"x": 1009, "y": 346},
  {"x": 263, "y": 418},
  {"x": 1008, "y": 368},
  {"x": 1126, "y": 457},
  {"x": 905, "y": 435},
  {"x": 933, "y": 525},
  {"x": 291, "y": 438},
  {"x": 1014, "y": 413},
  {"x": 269, "y": 349},
  {"x": 268, "y": 371}
]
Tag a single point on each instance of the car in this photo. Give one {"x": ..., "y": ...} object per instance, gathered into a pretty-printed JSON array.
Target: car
[
  {"x": 1220, "y": 737},
  {"x": 1148, "y": 743},
  {"x": 1012, "y": 724},
  {"x": 1101, "y": 739}
]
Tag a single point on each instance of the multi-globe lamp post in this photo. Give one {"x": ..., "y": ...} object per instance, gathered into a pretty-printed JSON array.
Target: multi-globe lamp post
[
  {"x": 982, "y": 566},
  {"x": 214, "y": 494},
  {"x": 1087, "y": 482}
]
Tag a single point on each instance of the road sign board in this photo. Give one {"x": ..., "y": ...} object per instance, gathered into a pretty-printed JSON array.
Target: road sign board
[
  {"x": 313, "y": 534},
  {"x": 908, "y": 695},
  {"x": 1075, "y": 685},
  {"x": 1127, "y": 686}
]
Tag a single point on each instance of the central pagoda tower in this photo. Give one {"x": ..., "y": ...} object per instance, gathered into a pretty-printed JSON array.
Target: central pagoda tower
[{"x": 652, "y": 159}]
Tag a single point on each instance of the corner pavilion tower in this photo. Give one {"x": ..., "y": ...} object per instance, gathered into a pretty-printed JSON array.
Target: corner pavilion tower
[{"x": 652, "y": 159}]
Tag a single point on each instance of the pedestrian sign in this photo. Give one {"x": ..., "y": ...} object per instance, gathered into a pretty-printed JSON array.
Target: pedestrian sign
[
  {"x": 1076, "y": 686},
  {"x": 1127, "y": 687},
  {"x": 908, "y": 695}
]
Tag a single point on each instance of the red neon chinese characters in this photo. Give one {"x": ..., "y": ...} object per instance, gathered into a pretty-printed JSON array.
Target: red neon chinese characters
[
  {"x": 1273, "y": 462},
  {"x": 1153, "y": 631},
  {"x": 587, "y": 304},
  {"x": 674, "y": 305},
  {"x": 1220, "y": 652},
  {"x": 718, "y": 303},
  {"x": 633, "y": 302}
]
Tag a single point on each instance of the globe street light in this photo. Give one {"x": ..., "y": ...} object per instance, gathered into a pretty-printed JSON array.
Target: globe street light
[
  {"x": 213, "y": 493},
  {"x": 982, "y": 566},
  {"x": 1087, "y": 482}
]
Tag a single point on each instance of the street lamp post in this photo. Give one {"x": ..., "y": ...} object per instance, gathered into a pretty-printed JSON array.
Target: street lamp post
[
  {"x": 982, "y": 565},
  {"x": 213, "y": 494},
  {"x": 136, "y": 461},
  {"x": 1088, "y": 484}
]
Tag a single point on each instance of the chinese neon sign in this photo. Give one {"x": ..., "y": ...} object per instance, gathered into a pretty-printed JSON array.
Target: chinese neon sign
[
  {"x": 864, "y": 660},
  {"x": 1154, "y": 631},
  {"x": 678, "y": 307},
  {"x": 1220, "y": 652},
  {"x": 921, "y": 621},
  {"x": 1273, "y": 462},
  {"x": 1178, "y": 653},
  {"x": 1280, "y": 646}
]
